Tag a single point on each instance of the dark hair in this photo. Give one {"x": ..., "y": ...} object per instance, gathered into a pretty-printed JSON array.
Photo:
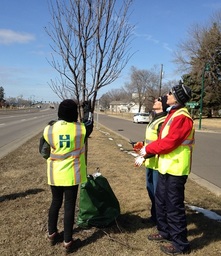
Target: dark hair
[{"x": 68, "y": 111}]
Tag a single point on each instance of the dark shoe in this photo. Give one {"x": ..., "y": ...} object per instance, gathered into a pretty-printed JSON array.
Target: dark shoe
[
  {"x": 157, "y": 237},
  {"x": 53, "y": 238},
  {"x": 172, "y": 250},
  {"x": 71, "y": 246}
]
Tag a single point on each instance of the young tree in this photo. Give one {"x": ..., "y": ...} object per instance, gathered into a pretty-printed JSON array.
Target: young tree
[{"x": 90, "y": 40}]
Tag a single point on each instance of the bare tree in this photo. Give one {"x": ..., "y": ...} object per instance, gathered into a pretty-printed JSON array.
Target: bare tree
[
  {"x": 144, "y": 84},
  {"x": 202, "y": 45},
  {"x": 200, "y": 58},
  {"x": 90, "y": 43},
  {"x": 120, "y": 94}
]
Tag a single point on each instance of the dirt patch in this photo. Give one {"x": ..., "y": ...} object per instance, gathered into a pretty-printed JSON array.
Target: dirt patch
[{"x": 25, "y": 199}]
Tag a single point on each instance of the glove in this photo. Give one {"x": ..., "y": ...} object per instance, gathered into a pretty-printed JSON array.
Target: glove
[
  {"x": 139, "y": 161},
  {"x": 138, "y": 146},
  {"x": 143, "y": 151},
  {"x": 88, "y": 116}
]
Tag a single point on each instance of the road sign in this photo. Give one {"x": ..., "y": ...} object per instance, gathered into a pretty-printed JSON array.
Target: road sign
[{"x": 192, "y": 104}]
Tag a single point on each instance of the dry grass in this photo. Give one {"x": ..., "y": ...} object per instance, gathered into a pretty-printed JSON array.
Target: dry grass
[{"x": 25, "y": 198}]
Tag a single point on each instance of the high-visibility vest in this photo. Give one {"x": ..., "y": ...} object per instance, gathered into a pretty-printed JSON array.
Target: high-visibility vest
[
  {"x": 150, "y": 136},
  {"x": 66, "y": 165},
  {"x": 177, "y": 162}
]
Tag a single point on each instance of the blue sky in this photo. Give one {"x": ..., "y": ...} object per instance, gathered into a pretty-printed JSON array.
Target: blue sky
[{"x": 24, "y": 44}]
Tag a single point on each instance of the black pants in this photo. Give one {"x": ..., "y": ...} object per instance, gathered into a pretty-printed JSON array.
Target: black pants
[
  {"x": 70, "y": 195},
  {"x": 170, "y": 209}
]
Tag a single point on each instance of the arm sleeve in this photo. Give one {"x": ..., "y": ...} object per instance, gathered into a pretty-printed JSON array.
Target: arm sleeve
[
  {"x": 179, "y": 130},
  {"x": 89, "y": 125},
  {"x": 44, "y": 148},
  {"x": 88, "y": 118}
]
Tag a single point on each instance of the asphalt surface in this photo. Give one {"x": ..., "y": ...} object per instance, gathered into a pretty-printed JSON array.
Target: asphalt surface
[
  {"x": 16, "y": 127},
  {"x": 206, "y": 155}
]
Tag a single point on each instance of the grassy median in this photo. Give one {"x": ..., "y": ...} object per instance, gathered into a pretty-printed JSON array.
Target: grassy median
[{"x": 25, "y": 199}]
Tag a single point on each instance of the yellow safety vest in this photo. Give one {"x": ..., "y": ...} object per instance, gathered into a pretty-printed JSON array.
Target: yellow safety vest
[
  {"x": 178, "y": 162},
  {"x": 66, "y": 165},
  {"x": 150, "y": 136}
]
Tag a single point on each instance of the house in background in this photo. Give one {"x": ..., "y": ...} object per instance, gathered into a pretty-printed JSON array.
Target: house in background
[{"x": 121, "y": 106}]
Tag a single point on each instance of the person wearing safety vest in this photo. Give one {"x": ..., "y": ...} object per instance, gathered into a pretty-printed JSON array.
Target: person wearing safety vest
[
  {"x": 151, "y": 134},
  {"x": 63, "y": 145},
  {"x": 174, "y": 148}
]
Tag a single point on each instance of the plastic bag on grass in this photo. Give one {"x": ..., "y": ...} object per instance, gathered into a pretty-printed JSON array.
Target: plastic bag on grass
[{"x": 98, "y": 205}]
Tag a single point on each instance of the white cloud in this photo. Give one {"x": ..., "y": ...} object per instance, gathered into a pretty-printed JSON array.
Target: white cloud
[
  {"x": 150, "y": 38},
  {"x": 147, "y": 37},
  {"x": 166, "y": 46},
  {"x": 8, "y": 36}
]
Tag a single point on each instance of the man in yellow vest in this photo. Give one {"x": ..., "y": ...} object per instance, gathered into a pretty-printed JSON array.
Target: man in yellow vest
[
  {"x": 174, "y": 147},
  {"x": 152, "y": 131},
  {"x": 63, "y": 144}
]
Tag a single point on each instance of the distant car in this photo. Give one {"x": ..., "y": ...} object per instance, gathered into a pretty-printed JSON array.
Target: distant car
[{"x": 141, "y": 118}]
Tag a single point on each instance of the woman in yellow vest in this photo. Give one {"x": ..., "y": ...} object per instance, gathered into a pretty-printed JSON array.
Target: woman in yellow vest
[
  {"x": 174, "y": 147},
  {"x": 151, "y": 134},
  {"x": 66, "y": 167}
]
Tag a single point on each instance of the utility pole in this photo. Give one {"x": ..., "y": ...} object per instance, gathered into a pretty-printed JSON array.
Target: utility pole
[{"x": 161, "y": 77}]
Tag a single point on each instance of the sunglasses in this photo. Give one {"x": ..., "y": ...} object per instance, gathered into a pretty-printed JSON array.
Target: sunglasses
[{"x": 159, "y": 99}]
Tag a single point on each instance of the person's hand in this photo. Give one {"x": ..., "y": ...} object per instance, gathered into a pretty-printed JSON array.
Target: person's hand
[
  {"x": 143, "y": 151},
  {"x": 139, "y": 161},
  {"x": 138, "y": 146}
]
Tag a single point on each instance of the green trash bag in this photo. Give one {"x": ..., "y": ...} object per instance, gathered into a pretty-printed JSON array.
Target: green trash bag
[{"x": 98, "y": 205}]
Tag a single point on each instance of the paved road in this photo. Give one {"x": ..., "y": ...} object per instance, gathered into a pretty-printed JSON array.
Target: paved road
[
  {"x": 206, "y": 156},
  {"x": 16, "y": 127}
]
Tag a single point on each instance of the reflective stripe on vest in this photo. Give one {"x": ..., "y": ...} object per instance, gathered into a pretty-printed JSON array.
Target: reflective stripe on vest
[
  {"x": 75, "y": 152},
  {"x": 151, "y": 130},
  {"x": 151, "y": 135},
  {"x": 178, "y": 162},
  {"x": 66, "y": 164}
]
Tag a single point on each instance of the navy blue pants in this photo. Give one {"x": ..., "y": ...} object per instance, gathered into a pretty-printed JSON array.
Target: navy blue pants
[
  {"x": 151, "y": 185},
  {"x": 70, "y": 195},
  {"x": 170, "y": 209}
]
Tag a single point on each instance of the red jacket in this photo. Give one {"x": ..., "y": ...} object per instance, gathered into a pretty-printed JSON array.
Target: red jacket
[{"x": 180, "y": 129}]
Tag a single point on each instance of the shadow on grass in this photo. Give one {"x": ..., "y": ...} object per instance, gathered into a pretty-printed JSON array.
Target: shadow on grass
[
  {"x": 205, "y": 232},
  {"x": 20, "y": 194},
  {"x": 202, "y": 233},
  {"x": 125, "y": 223}
]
